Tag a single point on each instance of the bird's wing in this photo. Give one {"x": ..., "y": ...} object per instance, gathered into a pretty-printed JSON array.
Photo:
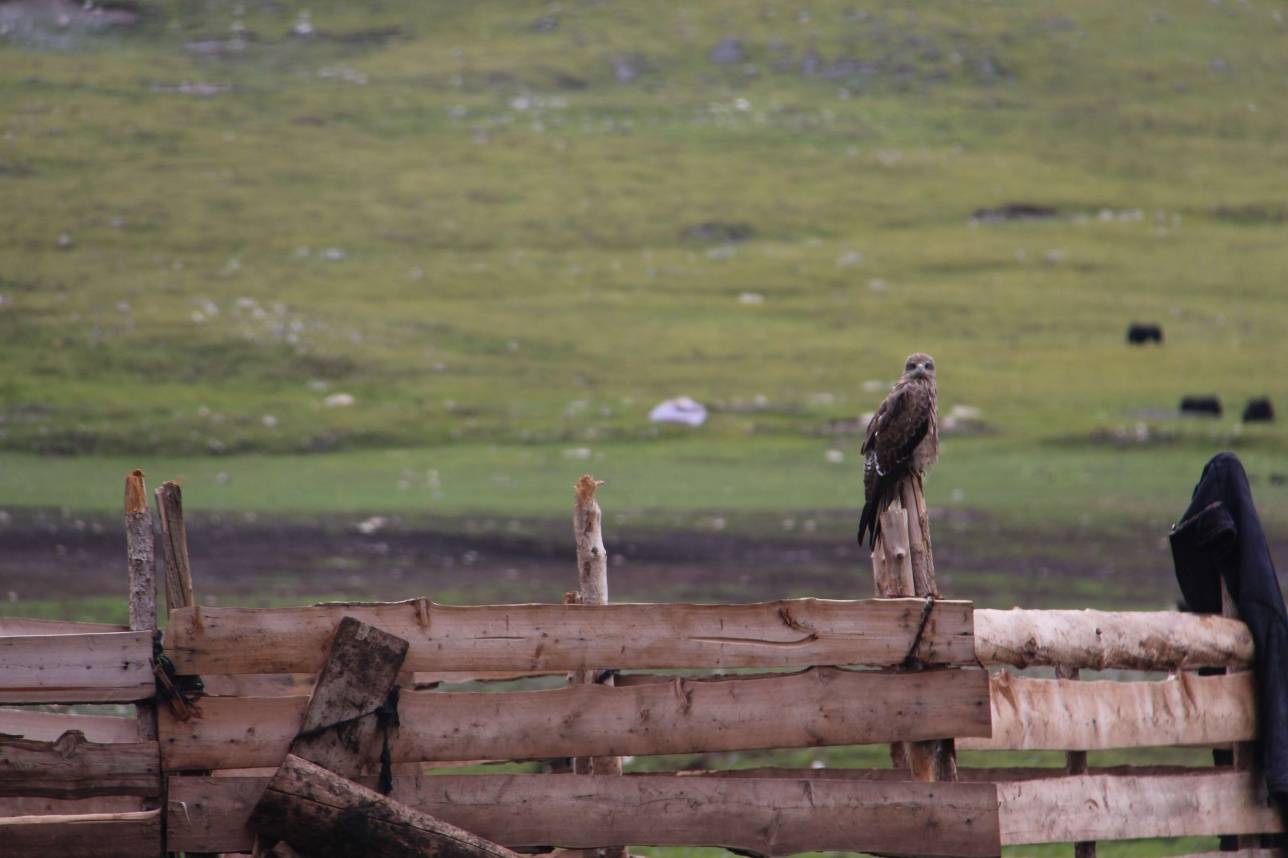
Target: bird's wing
[
  {"x": 905, "y": 420},
  {"x": 879, "y": 418}
]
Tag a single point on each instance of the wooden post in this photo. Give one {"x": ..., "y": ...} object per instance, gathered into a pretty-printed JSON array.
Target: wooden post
[
  {"x": 592, "y": 582},
  {"x": 903, "y": 565},
  {"x": 325, "y": 816},
  {"x": 1076, "y": 764},
  {"x": 174, "y": 542},
  {"x": 1242, "y": 754},
  {"x": 141, "y": 557}
]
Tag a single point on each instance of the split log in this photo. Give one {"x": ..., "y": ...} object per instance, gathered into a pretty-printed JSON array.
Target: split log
[
  {"x": 821, "y": 706},
  {"x": 1076, "y": 764},
  {"x": 48, "y": 726},
  {"x": 174, "y": 542},
  {"x": 93, "y": 835},
  {"x": 141, "y": 559},
  {"x": 113, "y": 667},
  {"x": 789, "y": 633},
  {"x": 340, "y": 730},
  {"x": 1031, "y": 714},
  {"x": 1099, "y": 640},
  {"x": 72, "y": 767},
  {"x": 1100, "y": 807},
  {"x": 326, "y": 816},
  {"x": 26, "y": 627},
  {"x": 770, "y": 816}
]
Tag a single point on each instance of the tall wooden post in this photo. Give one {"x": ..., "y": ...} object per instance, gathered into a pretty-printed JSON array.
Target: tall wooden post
[
  {"x": 592, "y": 581},
  {"x": 141, "y": 556},
  {"x": 903, "y": 565},
  {"x": 174, "y": 542}
]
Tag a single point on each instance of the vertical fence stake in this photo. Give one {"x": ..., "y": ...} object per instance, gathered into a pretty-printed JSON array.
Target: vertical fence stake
[
  {"x": 174, "y": 542},
  {"x": 592, "y": 581},
  {"x": 1076, "y": 764},
  {"x": 903, "y": 565},
  {"x": 141, "y": 556}
]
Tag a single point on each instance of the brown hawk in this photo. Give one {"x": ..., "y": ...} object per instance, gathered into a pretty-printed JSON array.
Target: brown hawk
[{"x": 902, "y": 439}]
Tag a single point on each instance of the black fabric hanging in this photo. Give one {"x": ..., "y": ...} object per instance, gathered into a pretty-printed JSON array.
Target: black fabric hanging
[{"x": 1220, "y": 537}]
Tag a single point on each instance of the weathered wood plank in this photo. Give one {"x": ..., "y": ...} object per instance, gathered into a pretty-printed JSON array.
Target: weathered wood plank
[
  {"x": 72, "y": 767},
  {"x": 772, "y": 816},
  {"x": 25, "y": 627},
  {"x": 174, "y": 544},
  {"x": 141, "y": 558},
  {"x": 1098, "y": 640},
  {"x": 820, "y": 706},
  {"x": 792, "y": 633},
  {"x": 35, "y": 806},
  {"x": 1031, "y": 714},
  {"x": 1106, "y": 807},
  {"x": 323, "y": 815},
  {"x": 48, "y": 726},
  {"x": 94, "y": 835},
  {"x": 113, "y": 667}
]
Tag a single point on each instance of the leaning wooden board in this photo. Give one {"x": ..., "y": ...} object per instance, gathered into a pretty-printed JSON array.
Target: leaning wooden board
[
  {"x": 772, "y": 816},
  {"x": 791, "y": 633},
  {"x": 820, "y": 706}
]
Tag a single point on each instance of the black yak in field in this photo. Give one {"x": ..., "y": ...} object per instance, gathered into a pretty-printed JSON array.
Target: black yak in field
[
  {"x": 1201, "y": 406},
  {"x": 1258, "y": 410},
  {"x": 1138, "y": 334}
]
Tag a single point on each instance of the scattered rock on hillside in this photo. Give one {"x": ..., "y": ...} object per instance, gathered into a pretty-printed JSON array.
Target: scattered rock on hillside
[
  {"x": 728, "y": 51},
  {"x": 717, "y": 231},
  {"x": 1014, "y": 211}
]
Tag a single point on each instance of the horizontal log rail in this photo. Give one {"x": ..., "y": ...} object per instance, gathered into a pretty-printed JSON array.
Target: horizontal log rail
[
  {"x": 23, "y": 626},
  {"x": 91, "y": 835},
  {"x": 769, "y": 816},
  {"x": 1099, "y": 640},
  {"x": 48, "y": 726},
  {"x": 1106, "y": 807},
  {"x": 1030, "y": 714},
  {"x": 819, "y": 706},
  {"x": 109, "y": 667},
  {"x": 537, "y": 637},
  {"x": 36, "y": 806},
  {"x": 72, "y": 767}
]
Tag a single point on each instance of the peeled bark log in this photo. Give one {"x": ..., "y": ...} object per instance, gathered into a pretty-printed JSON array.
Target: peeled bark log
[
  {"x": 72, "y": 767},
  {"x": 1098, "y": 640},
  {"x": 141, "y": 556}
]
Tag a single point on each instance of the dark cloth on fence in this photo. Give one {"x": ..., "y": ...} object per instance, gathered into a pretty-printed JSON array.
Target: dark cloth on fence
[{"x": 1220, "y": 537}]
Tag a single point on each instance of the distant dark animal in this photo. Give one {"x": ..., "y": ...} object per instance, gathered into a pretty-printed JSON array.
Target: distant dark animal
[
  {"x": 1258, "y": 409},
  {"x": 1015, "y": 211},
  {"x": 902, "y": 439},
  {"x": 1138, "y": 334},
  {"x": 718, "y": 231},
  {"x": 1201, "y": 406}
]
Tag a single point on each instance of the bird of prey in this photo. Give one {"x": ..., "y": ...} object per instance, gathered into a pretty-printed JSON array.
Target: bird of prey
[{"x": 902, "y": 439}]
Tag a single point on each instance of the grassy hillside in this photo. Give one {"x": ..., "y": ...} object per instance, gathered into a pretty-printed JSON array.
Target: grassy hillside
[{"x": 504, "y": 224}]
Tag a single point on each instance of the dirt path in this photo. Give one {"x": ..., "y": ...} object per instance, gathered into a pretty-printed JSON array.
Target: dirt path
[{"x": 51, "y": 556}]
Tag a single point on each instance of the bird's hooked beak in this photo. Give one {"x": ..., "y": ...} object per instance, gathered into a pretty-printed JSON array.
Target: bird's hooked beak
[{"x": 920, "y": 371}]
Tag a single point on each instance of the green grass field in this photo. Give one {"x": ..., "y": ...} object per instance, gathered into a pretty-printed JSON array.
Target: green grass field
[{"x": 439, "y": 258}]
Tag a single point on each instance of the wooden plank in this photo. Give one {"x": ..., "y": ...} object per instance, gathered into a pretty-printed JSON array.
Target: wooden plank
[
  {"x": 35, "y": 806},
  {"x": 94, "y": 835},
  {"x": 1031, "y": 714},
  {"x": 141, "y": 559},
  {"x": 72, "y": 767},
  {"x": 25, "y": 627},
  {"x": 772, "y": 816},
  {"x": 1105, "y": 807},
  {"x": 340, "y": 730},
  {"x": 791, "y": 633},
  {"x": 48, "y": 726},
  {"x": 1098, "y": 640},
  {"x": 113, "y": 667},
  {"x": 174, "y": 544},
  {"x": 324, "y": 815},
  {"x": 820, "y": 706}
]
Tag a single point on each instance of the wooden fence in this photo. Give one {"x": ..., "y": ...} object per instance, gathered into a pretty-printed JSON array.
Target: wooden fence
[{"x": 186, "y": 771}]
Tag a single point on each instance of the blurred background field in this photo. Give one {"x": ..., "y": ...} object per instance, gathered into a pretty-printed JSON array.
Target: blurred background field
[{"x": 428, "y": 262}]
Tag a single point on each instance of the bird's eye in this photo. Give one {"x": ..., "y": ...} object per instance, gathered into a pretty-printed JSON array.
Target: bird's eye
[
  {"x": 911, "y": 366},
  {"x": 930, "y": 364}
]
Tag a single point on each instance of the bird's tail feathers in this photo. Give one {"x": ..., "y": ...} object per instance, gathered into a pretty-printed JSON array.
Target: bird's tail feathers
[{"x": 869, "y": 520}]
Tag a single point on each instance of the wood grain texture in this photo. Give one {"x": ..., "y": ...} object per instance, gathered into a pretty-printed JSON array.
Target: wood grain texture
[
  {"x": 72, "y": 767},
  {"x": 35, "y": 806},
  {"x": 791, "y": 633},
  {"x": 1107, "y": 807},
  {"x": 1031, "y": 714},
  {"x": 112, "y": 667},
  {"x": 1099, "y": 640},
  {"x": 772, "y": 816},
  {"x": 23, "y": 626},
  {"x": 96, "y": 835},
  {"x": 48, "y": 726},
  {"x": 174, "y": 545},
  {"x": 325, "y": 816},
  {"x": 820, "y": 706}
]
